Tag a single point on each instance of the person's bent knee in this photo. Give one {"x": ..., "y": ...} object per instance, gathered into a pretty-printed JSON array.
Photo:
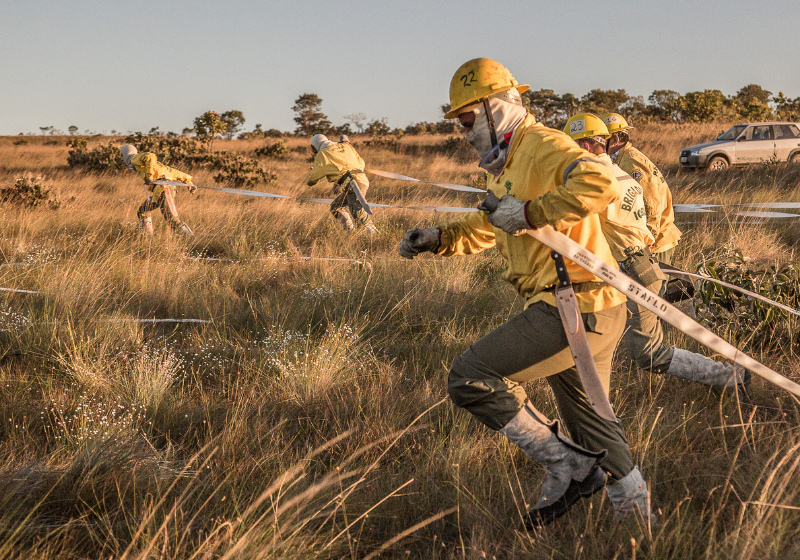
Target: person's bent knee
[{"x": 492, "y": 400}]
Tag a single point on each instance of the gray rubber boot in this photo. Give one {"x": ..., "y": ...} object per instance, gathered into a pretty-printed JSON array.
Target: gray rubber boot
[
  {"x": 146, "y": 225},
  {"x": 630, "y": 496},
  {"x": 698, "y": 368},
  {"x": 346, "y": 221},
  {"x": 572, "y": 472}
]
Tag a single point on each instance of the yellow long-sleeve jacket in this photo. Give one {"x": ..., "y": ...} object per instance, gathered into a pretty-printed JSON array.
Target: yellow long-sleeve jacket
[
  {"x": 335, "y": 160},
  {"x": 567, "y": 188},
  {"x": 624, "y": 221},
  {"x": 148, "y": 167},
  {"x": 657, "y": 196}
]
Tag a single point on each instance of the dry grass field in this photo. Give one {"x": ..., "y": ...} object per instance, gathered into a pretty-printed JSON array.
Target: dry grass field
[{"x": 307, "y": 418}]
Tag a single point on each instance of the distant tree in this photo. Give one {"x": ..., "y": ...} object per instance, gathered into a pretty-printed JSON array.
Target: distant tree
[
  {"x": 207, "y": 126},
  {"x": 752, "y": 103},
  {"x": 600, "y": 101},
  {"x": 753, "y": 93},
  {"x": 310, "y": 119},
  {"x": 550, "y": 108},
  {"x": 378, "y": 127},
  {"x": 571, "y": 104},
  {"x": 45, "y": 129},
  {"x": 73, "y": 129},
  {"x": 446, "y": 126},
  {"x": 665, "y": 105},
  {"x": 187, "y": 131},
  {"x": 339, "y": 130},
  {"x": 154, "y": 131},
  {"x": 787, "y": 109},
  {"x": 233, "y": 123},
  {"x": 633, "y": 108},
  {"x": 358, "y": 120},
  {"x": 703, "y": 106}
]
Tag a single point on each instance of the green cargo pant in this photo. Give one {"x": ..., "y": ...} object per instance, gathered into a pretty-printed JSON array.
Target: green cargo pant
[
  {"x": 347, "y": 201},
  {"x": 486, "y": 378},
  {"x": 644, "y": 336}
]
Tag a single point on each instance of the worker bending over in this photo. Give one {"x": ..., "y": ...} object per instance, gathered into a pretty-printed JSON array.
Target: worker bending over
[
  {"x": 158, "y": 196},
  {"x": 340, "y": 163}
]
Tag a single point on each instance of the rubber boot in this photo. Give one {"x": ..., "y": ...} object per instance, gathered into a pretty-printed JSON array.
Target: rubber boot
[
  {"x": 370, "y": 229},
  {"x": 698, "y": 368},
  {"x": 630, "y": 496},
  {"x": 146, "y": 225},
  {"x": 572, "y": 471},
  {"x": 346, "y": 221}
]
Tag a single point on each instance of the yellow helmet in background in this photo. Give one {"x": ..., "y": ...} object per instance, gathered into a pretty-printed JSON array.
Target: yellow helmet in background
[
  {"x": 584, "y": 125},
  {"x": 477, "y": 79},
  {"x": 615, "y": 122}
]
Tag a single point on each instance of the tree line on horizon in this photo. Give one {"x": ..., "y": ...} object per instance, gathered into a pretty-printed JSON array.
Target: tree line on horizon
[{"x": 750, "y": 103}]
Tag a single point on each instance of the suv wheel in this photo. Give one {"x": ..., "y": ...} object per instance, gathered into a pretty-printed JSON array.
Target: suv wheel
[
  {"x": 718, "y": 163},
  {"x": 794, "y": 158}
]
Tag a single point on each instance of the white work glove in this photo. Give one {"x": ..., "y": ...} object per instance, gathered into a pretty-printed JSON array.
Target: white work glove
[
  {"x": 417, "y": 241},
  {"x": 508, "y": 215}
]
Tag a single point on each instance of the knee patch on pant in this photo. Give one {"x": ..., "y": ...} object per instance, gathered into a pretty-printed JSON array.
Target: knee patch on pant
[{"x": 492, "y": 399}]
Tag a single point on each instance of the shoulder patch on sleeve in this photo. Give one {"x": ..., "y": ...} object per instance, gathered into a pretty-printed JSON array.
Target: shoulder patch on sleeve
[{"x": 637, "y": 175}]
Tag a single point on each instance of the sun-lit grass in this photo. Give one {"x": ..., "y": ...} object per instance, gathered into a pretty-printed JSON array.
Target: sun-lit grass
[{"x": 308, "y": 417}]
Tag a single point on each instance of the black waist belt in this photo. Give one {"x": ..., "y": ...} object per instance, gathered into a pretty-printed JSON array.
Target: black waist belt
[
  {"x": 579, "y": 287},
  {"x": 347, "y": 176}
]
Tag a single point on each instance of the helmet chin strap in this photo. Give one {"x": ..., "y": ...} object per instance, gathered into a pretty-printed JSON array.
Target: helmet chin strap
[{"x": 490, "y": 118}]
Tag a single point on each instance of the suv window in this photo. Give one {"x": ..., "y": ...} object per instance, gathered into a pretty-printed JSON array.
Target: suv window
[
  {"x": 732, "y": 132},
  {"x": 783, "y": 131},
  {"x": 763, "y": 132}
]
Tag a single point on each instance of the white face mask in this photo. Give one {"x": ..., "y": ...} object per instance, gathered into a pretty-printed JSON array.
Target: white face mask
[
  {"x": 480, "y": 136},
  {"x": 508, "y": 114}
]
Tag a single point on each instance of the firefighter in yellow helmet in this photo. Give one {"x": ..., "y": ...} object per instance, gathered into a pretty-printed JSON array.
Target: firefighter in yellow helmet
[
  {"x": 543, "y": 178},
  {"x": 625, "y": 226},
  {"x": 657, "y": 196},
  {"x": 340, "y": 163},
  {"x": 624, "y": 222},
  {"x": 644, "y": 335},
  {"x": 160, "y": 197}
]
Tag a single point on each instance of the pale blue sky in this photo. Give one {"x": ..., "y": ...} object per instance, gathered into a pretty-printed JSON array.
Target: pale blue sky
[{"x": 104, "y": 65}]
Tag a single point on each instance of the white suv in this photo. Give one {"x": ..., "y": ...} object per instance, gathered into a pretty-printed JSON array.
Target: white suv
[{"x": 745, "y": 144}]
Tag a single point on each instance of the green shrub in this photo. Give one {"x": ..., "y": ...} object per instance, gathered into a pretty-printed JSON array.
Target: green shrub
[
  {"x": 231, "y": 168},
  {"x": 386, "y": 142},
  {"x": 29, "y": 191},
  {"x": 455, "y": 147},
  {"x": 275, "y": 150},
  {"x": 103, "y": 158},
  {"x": 750, "y": 320}
]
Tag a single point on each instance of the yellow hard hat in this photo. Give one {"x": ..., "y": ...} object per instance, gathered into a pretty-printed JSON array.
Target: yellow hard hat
[
  {"x": 583, "y": 125},
  {"x": 615, "y": 122},
  {"x": 477, "y": 79}
]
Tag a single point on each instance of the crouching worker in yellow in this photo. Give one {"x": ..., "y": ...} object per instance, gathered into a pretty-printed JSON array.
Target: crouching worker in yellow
[
  {"x": 160, "y": 197},
  {"x": 543, "y": 178},
  {"x": 340, "y": 163}
]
